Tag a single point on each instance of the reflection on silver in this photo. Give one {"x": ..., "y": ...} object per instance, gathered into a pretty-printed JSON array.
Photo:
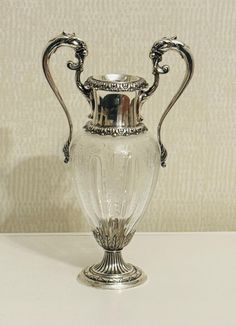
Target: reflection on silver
[{"x": 115, "y": 110}]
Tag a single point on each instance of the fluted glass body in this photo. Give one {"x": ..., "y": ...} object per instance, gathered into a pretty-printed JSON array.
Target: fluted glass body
[{"x": 115, "y": 178}]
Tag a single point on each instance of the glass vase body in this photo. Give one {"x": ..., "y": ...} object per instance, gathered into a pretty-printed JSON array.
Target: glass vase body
[{"x": 115, "y": 178}]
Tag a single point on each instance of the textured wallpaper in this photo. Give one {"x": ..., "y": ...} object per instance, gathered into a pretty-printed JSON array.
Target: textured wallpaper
[{"x": 196, "y": 191}]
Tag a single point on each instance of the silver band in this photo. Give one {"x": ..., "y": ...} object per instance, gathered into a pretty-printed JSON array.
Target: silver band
[
  {"x": 115, "y": 131},
  {"x": 131, "y": 83}
]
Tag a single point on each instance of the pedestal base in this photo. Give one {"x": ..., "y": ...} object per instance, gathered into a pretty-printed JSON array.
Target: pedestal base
[{"x": 112, "y": 273}]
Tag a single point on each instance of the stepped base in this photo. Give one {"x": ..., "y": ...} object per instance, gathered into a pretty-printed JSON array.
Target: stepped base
[{"x": 112, "y": 273}]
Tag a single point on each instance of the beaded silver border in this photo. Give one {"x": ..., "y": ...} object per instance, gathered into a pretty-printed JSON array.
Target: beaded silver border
[
  {"x": 107, "y": 85},
  {"x": 115, "y": 131}
]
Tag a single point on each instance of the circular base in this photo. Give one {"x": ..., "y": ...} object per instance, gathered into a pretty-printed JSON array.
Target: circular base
[{"x": 134, "y": 277}]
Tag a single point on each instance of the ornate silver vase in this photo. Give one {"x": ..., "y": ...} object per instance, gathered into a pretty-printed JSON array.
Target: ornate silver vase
[{"x": 115, "y": 161}]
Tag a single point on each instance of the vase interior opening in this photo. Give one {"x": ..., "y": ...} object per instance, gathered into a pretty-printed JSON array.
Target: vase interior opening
[{"x": 117, "y": 77}]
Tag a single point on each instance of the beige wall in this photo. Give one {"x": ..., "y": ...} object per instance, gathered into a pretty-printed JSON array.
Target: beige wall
[{"x": 197, "y": 189}]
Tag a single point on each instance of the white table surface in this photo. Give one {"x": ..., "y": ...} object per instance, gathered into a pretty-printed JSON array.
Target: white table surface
[{"x": 191, "y": 280}]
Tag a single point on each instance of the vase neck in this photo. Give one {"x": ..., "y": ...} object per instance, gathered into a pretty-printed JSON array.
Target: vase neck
[
  {"x": 116, "y": 109},
  {"x": 116, "y": 104}
]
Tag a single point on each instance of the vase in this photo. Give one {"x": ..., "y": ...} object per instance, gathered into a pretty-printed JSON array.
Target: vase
[{"x": 114, "y": 161}]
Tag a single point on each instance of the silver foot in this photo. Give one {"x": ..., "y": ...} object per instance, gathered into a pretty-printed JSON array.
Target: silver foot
[{"x": 112, "y": 273}]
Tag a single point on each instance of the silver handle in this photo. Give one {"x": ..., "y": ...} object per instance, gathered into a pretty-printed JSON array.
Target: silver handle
[
  {"x": 156, "y": 53},
  {"x": 81, "y": 51}
]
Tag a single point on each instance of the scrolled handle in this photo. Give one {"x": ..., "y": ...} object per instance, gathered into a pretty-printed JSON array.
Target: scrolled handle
[
  {"x": 81, "y": 51},
  {"x": 156, "y": 53}
]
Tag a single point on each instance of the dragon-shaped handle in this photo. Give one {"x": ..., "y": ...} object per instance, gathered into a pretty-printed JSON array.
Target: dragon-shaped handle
[
  {"x": 81, "y": 51},
  {"x": 156, "y": 53}
]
